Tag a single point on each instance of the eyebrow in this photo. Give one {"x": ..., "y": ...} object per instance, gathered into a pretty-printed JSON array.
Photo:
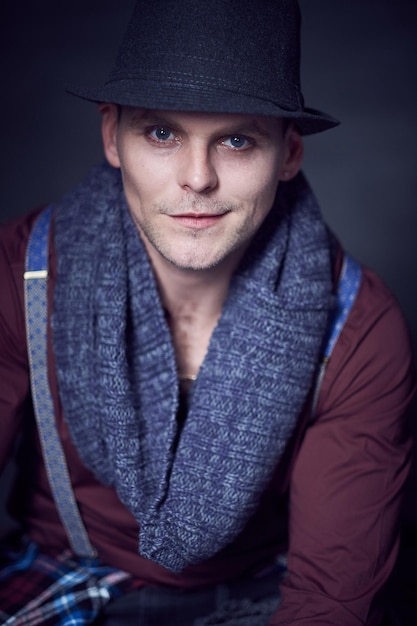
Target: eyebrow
[
  {"x": 149, "y": 117},
  {"x": 247, "y": 128}
]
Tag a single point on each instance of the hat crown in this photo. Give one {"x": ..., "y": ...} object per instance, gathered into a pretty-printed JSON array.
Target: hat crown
[{"x": 245, "y": 46}]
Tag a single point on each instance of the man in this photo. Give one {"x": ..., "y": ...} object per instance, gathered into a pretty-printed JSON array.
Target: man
[{"x": 224, "y": 382}]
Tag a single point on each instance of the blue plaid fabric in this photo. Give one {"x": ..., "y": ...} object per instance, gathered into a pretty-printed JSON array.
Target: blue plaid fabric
[{"x": 65, "y": 590}]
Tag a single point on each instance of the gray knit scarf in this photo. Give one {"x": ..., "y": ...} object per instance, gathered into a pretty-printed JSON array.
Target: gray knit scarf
[{"x": 192, "y": 491}]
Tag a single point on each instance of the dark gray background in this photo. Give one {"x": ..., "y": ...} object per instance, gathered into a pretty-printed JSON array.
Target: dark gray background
[{"x": 359, "y": 64}]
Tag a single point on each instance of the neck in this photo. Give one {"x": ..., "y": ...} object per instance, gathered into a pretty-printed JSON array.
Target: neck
[
  {"x": 193, "y": 301},
  {"x": 185, "y": 293},
  {"x": 197, "y": 292}
]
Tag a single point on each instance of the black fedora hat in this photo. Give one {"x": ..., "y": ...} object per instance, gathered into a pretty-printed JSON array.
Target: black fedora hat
[{"x": 217, "y": 56}]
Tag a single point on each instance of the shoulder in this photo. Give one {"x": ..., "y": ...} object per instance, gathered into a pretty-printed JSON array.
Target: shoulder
[
  {"x": 373, "y": 353},
  {"x": 14, "y": 237}
]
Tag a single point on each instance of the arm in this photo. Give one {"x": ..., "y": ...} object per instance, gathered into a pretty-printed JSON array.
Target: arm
[{"x": 348, "y": 477}]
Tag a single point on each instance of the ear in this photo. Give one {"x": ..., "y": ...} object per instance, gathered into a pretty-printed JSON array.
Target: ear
[
  {"x": 294, "y": 152},
  {"x": 109, "y": 124}
]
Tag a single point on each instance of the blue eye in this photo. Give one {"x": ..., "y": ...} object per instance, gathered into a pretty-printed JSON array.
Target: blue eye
[
  {"x": 236, "y": 142},
  {"x": 161, "y": 134}
]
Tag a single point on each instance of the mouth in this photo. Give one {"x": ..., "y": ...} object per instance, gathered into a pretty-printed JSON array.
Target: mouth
[{"x": 198, "y": 221}]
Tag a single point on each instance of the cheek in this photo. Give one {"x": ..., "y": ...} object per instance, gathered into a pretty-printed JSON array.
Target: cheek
[
  {"x": 137, "y": 179},
  {"x": 257, "y": 185},
  {"x": 269, "y": 179},
  {"x": 145, "y": 175}
]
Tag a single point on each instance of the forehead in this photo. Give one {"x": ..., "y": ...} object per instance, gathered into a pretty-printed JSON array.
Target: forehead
[{"x": 194, "y": 121}]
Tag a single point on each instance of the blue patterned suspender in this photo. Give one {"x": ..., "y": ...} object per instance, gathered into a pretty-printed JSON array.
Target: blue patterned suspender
[
  {"x": 347, "y": 289},
  {"x": 36, "y": 306},
  {"x": 36, "y": 277}
]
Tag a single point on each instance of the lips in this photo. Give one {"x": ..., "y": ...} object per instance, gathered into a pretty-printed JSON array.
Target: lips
[{"x": 198, "y": 221}]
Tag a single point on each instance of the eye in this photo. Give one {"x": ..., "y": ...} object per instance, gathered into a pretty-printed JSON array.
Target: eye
[
  {"x": 237, "y": 142},
  {"x": 161, "y": 133}
]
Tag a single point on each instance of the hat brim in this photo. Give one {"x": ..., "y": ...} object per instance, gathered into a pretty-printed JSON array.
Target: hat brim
[{"x": 174, "y": 97}]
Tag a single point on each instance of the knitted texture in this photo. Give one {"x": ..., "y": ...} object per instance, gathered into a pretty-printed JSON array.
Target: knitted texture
[{"x": 190, "y": 492}]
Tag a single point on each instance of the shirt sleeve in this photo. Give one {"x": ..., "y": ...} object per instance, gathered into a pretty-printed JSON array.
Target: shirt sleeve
[{"x": 348, "y": 478}]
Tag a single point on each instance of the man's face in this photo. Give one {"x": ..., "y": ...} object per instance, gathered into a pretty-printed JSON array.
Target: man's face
[{"x": 198, "y": 185}]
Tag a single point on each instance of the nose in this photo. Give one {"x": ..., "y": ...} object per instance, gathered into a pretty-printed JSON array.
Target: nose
[{"x": 197, "y": 171}]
